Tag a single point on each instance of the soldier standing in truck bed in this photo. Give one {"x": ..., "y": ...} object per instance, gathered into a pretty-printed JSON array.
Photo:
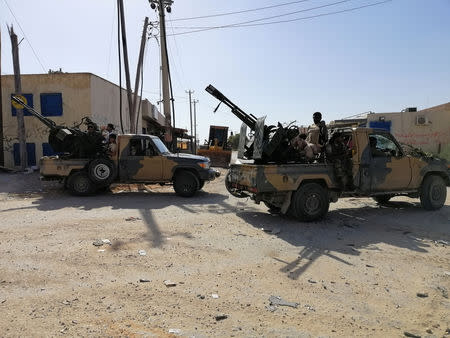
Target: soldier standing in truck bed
[{"x": 317, "y": 134}]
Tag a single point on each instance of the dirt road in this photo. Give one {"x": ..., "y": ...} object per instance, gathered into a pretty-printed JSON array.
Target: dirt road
[{"x": 363, "y": 271}]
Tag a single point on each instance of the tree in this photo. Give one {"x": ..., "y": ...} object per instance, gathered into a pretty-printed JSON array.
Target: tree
[{"x": 233, "y": 141}]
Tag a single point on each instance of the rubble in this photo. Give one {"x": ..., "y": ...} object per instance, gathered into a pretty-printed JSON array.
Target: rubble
[{"x": 276, "y": 300}]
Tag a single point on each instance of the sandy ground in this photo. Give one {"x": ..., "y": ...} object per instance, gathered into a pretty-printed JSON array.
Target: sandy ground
[{"x": 356, "y": 273}]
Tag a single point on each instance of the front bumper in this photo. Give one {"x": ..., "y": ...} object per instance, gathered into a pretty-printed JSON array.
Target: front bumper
[{"x": 209, "y": 175}]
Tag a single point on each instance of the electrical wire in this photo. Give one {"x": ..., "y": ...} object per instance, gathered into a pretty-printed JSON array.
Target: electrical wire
[
  {"x": 239, "y": 12},
  {"x": 182, "y": 78},
  {"x": 26, "y": 38},
  {"x": 120, "y": 66},
  {"x": 269, "y": 17},
  {"x": 238, "y": 25}
]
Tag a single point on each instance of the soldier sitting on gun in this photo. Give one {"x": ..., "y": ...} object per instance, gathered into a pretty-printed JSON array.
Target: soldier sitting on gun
[{"x": 299, "y": 144}]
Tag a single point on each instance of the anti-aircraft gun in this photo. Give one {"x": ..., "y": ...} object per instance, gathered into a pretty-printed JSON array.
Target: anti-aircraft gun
[
  {"x": 71, "y": 142},
  {"x": 270, "y": 143}
]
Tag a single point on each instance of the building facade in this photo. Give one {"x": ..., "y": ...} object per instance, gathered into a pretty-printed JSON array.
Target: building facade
[
  {"x": 427, "y": 129},
  {"x": 66, "y": 98}
]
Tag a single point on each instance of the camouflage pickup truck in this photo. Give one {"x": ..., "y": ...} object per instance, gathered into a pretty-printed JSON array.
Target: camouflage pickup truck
[
  {"x": 377, "y": 166},
  {"x": 139, "y": 159}
]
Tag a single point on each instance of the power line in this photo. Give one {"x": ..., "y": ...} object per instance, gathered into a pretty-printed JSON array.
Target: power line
[
  {"x": 271, "y": 17},
  {"x": 25, "y": 36},
  {"x": 239, "y": 12},
  {"x": 183, "y": 77},
  {"x": 239, "y": 25}
]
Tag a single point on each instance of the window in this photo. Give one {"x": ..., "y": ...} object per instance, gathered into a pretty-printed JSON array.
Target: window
[
  {"x": 31, "y": 154},
  {"x": 383, "y": 145},
  {"x": 142, "y": 147},
  {"x": 29, "y": 98},
  {"x": 51, "y": 104}
]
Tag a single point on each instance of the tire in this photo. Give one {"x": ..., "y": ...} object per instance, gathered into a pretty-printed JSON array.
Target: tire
[
  {"x": 310, "y": 202},
  {"x": 102, "y": 171},
  {"x": 433, "y": 192},
  {"x": 186, "y": 184},
  {"x": 382, "y": 199},
  {"x": 79, "y": 184},
  {"x": 201, "y": 184},
  {"x": 272, "y": 208},
  {"x": 233, "y": 191}
]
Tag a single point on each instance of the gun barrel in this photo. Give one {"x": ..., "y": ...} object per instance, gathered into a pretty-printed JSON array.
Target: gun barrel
[
  {"x": 49, "y": 123},
  {"x": 249, "y": 120}
]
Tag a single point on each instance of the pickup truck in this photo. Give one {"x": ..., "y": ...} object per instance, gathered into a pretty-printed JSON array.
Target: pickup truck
[
  {"x": 139, "y": 159},
  {"x": 380, "y": 169}
]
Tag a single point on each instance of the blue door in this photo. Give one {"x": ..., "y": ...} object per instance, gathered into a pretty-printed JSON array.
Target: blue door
[{"x": 31, "y": 154}]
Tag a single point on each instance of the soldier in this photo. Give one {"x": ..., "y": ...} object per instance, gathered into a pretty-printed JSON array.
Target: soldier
[
  {"x": 338, "y": 153},
  {"x": 107, "y": 131},
  {"x": 317, "y": 134},
  {"x": 373, "y": 148},
  {"x": 112, "y": 146}
]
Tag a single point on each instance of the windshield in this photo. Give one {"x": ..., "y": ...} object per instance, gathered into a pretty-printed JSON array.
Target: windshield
[{"x": 160, "y": 145}]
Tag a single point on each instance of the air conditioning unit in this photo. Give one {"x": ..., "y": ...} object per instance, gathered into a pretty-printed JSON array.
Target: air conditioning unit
[{"x": 422, "y": 120}]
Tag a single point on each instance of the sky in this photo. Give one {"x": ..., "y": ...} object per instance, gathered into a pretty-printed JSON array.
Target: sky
[{"x": 381, "y": 58}]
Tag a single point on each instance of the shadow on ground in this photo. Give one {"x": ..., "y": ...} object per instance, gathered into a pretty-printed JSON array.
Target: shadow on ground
[{"x": 353, "y": 225}]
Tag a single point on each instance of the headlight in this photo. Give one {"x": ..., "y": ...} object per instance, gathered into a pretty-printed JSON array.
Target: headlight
[{"x": 204, "y": 165}]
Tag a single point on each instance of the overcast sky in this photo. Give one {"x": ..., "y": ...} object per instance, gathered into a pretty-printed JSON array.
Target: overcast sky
[{"x": 381, "y": 58}]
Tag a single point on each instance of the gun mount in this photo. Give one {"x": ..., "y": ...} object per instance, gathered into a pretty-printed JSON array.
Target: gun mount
[
  {"x": 70, "y": 141},
  {"x": 270, "y": 143}
]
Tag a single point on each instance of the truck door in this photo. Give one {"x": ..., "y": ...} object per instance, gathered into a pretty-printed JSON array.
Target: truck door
[
  {"x": 389, "y": 168},
  {"x": 142, "y": 163}
]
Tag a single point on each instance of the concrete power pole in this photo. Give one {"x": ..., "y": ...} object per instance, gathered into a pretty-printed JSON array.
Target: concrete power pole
[
  {"x": 18, "y": 90},
  {"x": 190, "y": 92},
  {"x": 195, "y": 126},
  {"x": 134, "y": 115},
  {"x": 2, "y": 154},
  {"x": 125, "y": 60},
  {"x": 162, "y": 6}
]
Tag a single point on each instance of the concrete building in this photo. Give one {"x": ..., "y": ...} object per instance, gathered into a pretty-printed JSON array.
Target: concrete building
[
  {"x": 66, "y": 98},
  {"x": 427, "y": 129}
]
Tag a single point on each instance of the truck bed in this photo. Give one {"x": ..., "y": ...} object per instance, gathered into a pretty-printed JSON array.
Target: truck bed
[{"x": 278, "y": 177}]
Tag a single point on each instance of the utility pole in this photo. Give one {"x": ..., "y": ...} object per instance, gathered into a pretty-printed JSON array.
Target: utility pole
[
  {"x": 135, "y": 114},
  {"x": 2, "y": 155},
  {"x": 195, "y": 126},
  {"x": 190, "y": 92},
  {"x": 125, "y": 60},
  {"x": 164, "y": 5},
  {"x": 18, "y": 90}
]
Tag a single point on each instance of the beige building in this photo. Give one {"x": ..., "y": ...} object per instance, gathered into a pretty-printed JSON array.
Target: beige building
[
  {"x": 427, "y": 129},
  {"x": 66, "y": 98}
]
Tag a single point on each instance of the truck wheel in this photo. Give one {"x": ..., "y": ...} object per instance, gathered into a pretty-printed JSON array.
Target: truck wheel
[
  {"x": 382, "y": 199},
  {"x": 310, "y": 202},
  {"x": 201, "y": 184},
  {"x": 79, "y": 184},
  {"x": 231, "y": 190},
  {"x": 273, "y": 209},
  {"x": 433, "y": 193},
  {"x": 186, "y": 184},
  {"x": 102, "y": 171}
]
